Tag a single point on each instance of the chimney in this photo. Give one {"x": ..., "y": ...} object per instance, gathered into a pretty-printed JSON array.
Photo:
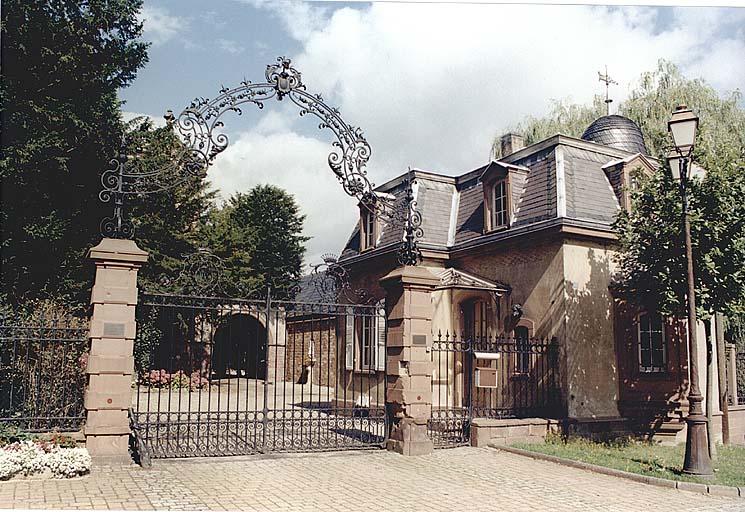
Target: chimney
[{"x": 511, "y": 142}]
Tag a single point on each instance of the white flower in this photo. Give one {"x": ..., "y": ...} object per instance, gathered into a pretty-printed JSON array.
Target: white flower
[{"x": 29, "y": 458}]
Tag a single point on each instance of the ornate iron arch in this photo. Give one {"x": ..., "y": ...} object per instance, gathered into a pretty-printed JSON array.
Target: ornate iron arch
[{"x": 198, "y": 126}]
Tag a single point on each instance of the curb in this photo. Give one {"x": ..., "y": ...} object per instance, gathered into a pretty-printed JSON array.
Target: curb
[{"x": 710, "y": 489}]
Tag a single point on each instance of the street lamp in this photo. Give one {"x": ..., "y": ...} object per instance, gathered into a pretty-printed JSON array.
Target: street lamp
[{"x": 682, "y": 126}]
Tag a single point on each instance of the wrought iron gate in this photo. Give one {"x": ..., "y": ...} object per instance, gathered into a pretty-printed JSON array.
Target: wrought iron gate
[
  {"x": 219, "y": 376},
  {"x": 490, "y": 377}
]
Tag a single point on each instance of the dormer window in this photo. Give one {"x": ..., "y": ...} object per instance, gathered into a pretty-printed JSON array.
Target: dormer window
[
  {"x": 500, "y": 181},
  {"x": 500, "y": 203},
  {"x": 624, "y": 175},
  {"x": 368, "y": 231}
]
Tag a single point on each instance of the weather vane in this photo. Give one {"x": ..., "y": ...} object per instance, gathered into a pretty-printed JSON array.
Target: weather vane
[{"x": 608, "y": 80}]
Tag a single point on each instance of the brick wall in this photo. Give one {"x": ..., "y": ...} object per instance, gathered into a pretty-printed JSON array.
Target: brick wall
[{"x": 312, "y": 339}]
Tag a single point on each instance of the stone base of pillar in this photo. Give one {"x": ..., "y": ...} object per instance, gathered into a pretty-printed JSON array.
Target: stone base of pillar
[
  {"x": 113, "y": 448},
  {"x": 409, "y": 437}
]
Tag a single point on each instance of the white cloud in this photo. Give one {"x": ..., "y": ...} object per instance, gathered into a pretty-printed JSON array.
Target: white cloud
[
  {"x": 157, "y": 121},
  {"x": 230, "y": 46},
  {"x": 432, "y": 84},
  {"x": 160, "y": 26}
]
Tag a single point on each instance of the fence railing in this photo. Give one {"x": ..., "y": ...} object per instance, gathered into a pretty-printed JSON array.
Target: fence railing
[
  {"x": 42, "y": 371},
  {"x": 736, "y": 396},
  {"x": 490, "y": 377}
]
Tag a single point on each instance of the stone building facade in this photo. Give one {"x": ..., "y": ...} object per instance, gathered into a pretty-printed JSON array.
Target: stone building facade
[{"x": 525, "y": 246}]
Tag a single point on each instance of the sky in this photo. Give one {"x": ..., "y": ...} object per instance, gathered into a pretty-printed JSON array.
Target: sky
[{"x": 430, "y": 84}]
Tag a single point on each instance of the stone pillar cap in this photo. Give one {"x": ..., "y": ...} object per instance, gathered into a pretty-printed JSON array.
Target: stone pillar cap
[
  {"x": 113, "y": 249},
  {"x": 410, "y": 275}
]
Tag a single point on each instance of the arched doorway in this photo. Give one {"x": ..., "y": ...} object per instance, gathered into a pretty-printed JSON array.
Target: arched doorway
[{"x": 239, "y": 348}]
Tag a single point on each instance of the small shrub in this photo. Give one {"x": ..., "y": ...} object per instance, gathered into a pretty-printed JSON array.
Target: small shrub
[{"x": 12, "y": 434}]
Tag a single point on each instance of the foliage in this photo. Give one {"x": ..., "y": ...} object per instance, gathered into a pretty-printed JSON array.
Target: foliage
[
  {"x": 564, "y": 118},
  {"x": 721, "y": 118},
  {"x": 39, "y": 457},
  {"x": 13, "y": 434},
  {"x": 644, "y": 458},
  {"x": 63, "y": 63},
  {"x": 177, "y": 380},
  {"x": 734, "y": 330},
  {"x": 43, "y": 358},
  {"x": 649, "y": 105},
  {"x": 259, "y": 236},
  {"x": 652, "y": 260},
  {"x": 166, "y": 223}
]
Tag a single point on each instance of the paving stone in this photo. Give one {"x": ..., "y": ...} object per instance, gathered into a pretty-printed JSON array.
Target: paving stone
[{"x": 463, "y": 478}]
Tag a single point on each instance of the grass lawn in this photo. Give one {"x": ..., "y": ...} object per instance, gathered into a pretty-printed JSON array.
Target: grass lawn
[{"x": 644, "y": 458}]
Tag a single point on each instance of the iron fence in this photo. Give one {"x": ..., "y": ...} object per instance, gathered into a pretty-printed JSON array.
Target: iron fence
[
  {"x": 224, "y": 376},
  {"x": 42, "y": 371},
  {"x": 490, "y": 377}
]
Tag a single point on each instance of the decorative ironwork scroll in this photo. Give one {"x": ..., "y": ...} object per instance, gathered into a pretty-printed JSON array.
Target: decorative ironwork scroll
[
  {"x": 409, "y": 252},
  {"x": 202, "y": 273},
  {"x": 199, "y": 126},
  {"x": 330, "y": 281}
]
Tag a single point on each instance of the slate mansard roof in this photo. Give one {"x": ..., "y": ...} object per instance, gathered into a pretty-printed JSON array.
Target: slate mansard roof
[{"x": 562, "y": 181}]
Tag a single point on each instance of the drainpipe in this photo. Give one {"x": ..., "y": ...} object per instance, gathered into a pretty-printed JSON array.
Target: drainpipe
[{"x": 722, "y": 373}]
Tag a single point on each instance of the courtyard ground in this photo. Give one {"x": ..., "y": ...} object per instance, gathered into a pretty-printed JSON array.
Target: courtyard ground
[{"x": 457, "y": 479}]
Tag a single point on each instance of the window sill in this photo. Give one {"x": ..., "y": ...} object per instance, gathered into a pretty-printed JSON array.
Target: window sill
[
  {"x": 655, "y": 374},
  {"x": 366, "y": 371},
  {"x": 499, "y": 228}
]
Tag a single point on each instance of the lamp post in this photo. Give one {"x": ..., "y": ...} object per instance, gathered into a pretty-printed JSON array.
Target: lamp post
[{"x": 682, "y": 125}]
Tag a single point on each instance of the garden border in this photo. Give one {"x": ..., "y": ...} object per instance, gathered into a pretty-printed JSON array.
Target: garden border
[{"x": 713, "y": 490}]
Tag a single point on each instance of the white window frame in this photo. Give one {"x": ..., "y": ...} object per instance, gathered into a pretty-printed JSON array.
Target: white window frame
[
  {"x": 651, "y": 368},
  {"x": 368, "y": 230},
  {"x": 366, "y": 340},
  {"x": 500, "y": 217}
]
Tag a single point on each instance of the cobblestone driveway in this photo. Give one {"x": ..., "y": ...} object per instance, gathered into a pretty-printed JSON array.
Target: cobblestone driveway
[{"x": 460, "y": 479}]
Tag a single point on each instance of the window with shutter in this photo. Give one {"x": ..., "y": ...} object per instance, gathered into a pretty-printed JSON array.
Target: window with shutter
[
  {"x": 380, "y": 352},
  {"x": 349, "y": 340}
]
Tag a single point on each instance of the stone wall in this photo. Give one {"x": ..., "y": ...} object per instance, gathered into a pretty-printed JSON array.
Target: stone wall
[
  {"x": 312, "y": 341},
  {"x": 591, "y": 371},
  {"x": 524, "y": 430},
  {"x": 737, "y": 424}
]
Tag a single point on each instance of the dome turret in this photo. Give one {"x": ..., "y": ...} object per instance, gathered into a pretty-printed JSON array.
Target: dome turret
[{"x": 617, "y": 132}]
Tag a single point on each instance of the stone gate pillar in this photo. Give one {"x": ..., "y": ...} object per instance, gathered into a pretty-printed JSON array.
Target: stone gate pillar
[
  {"x": 409, "y": 358},
  {"x": 112, "y": 333}
]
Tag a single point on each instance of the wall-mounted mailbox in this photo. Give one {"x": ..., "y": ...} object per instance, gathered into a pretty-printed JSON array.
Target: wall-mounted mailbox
[{"x": 484, "y": 375}]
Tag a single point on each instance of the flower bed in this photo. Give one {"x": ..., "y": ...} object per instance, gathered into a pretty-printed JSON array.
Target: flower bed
[
  {"x": 176, "y": 380},
  {"x": 42, "y": 458}
]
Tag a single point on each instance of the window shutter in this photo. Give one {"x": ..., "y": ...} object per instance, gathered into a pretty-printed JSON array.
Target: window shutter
[
  {"x": 349, "y": 340},
  {"x": 380, "y": 341}
]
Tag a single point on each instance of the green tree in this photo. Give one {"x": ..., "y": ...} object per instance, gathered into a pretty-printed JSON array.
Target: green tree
[
  {"x": 650, "y": 105},
  {"x": 63, "y": 62},
  {"x": 565, "y": 118},
  {"x": 652, "y": 260},
  {"x": 259, "y": 236},
  {"x": 166, "y": 222}
]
